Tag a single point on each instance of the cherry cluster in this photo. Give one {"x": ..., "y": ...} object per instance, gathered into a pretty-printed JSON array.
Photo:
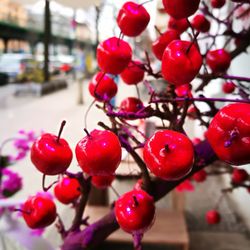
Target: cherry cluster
[{"x": 169, "y": 156}]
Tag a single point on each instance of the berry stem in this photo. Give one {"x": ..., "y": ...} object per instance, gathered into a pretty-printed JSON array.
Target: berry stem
[
  {"x": 157, "y": 29},
  {"x": 86, "y": 114},
  {"x": 145, "y": 3},
  {"x": 60, "y": 130},
  {"x": 87, "y": 132},
  {"x": 137, "y": 241},
  {"x": 45, "y": 189},
  {"x": 22, "y": 211},
  {"x": 114, "y": 190}
]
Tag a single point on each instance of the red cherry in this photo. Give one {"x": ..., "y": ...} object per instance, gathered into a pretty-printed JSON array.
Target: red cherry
[
  {"x": 162, "y": 154},
  {"x": 178, "y": 24},
  {"x": 51, "y": 154},
  {"x": 138, "y": 184},
  {"x": 218, "y": 60},
  {"x": 102, "y": 87},
  {"x": 113, "y": 55},
  {"x": 131, "y": 104},
  {"x": 133, "y": 74},
  {"x": 213, "y": 217},
  {"x": 183, "y": 90},
  {"x": 163, "y": 40},
  {"x": 99, "y": 153},
  {"x": 102, "y": 182},
  {"x": 228, "y": 87},
  {"x": 239, "y": 176},
  {"x": 132, "y": 19},
  {"x": 180, "y": 8},
  {"x": 200, "y": 23},
  {"x": 200, "y": 176},
  {"x": 217, "y": 3},
  {"x": 196, "y": 141},
  {"x": 39, "y": 211},
  {"x": 135, "y": 211},
  {"x": 67, "y": 190},
  {"x": 181, "y": 62},
  {"x": 229, "y": 134}
]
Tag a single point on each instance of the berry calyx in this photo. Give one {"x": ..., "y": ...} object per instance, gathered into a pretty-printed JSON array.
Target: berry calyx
[
  {"x": 135, "y": 211},
  {"x": 162, "y": 154}
]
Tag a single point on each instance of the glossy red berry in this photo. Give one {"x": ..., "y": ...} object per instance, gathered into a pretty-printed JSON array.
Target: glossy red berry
[
  {"x": 218, "y": 3},
  {"x": 132, "y": 19},
  {"x": 131, "y": 104},
  {"x": 213, "y": 217},
  {"x": 180, "y": 25},
  {"x": 200, "y": 176},
  {"x": 239, "y": 176},
  {"x": 39, "y": 211},
  {"x": 228, "y": 87},
  {"x": 163, "y": 40},
  {"x": 162, "y": 154},
  {"x": 200, "y": 23},
  {"x": 50, "y": 155},
  {"x": 67, "y": 190},
  {"x": 133, "y": 74},
  {"x": 180, "y": 8},
  {"x": 113, "y": 55},
  {"x": 181, "y": 62},
  {"x": 102, "y": 182},
  {"x": 135, "y": 211},
  {"x": 102, "y": 87},
  {"x": 99, "y": 153},
  {"x": 196, "y": 141},
  {"x": 218, "y": 60},
  {"x": 229, "y": 133}
]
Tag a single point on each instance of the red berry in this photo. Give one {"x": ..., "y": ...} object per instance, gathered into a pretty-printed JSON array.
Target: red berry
[
  {"x": 163, "y": 40},
  {"x": 39, "y": 211},
  {"x": 228, "y": 87},
  {"x": 217, "y": 3},
  {"x": 138, "y": 184},
  {"x": 192, "y": 112},
  {"x": 183, "y": 90},
  {"x": 132, "y": 19},
  {"x": 229, "y": 133},
  {"x": 131, "y": 104},
  {"x": 162, "y": 154},
  {"x": 133, "y": 74},
  {"x": 99, "y": 153},
  {"x": 102, "y": 182},
  {"x": 213, "y": 217},
  {"x": 178, "y": 24},
  {"x": 200, "y": 23},
  {"x": 196, "y": 141},
  {"x": 50, "y": 156},
  {"x": 113, "y": 55},
  {"x": 181, "y": 8},
  {"x": 200, "y": 176},
  {"x": 67, "y": 190},
  {"x": 181, "y": 62},
  {"x": 218, "y": 60},
  {"x": 239, "y": 176},
  {"x": 102, "y": 87},
  {"x": 135, "y": 211}
]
